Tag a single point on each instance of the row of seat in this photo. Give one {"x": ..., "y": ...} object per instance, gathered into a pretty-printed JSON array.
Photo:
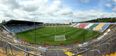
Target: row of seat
[
  {"x": 112, "y": 54},
  {"x": 20, "y": 28},
  {"x": 101, "y": 27}
]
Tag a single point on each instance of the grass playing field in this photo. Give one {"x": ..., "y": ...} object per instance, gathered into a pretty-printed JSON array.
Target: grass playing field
[{"x": 45, "y": 35}]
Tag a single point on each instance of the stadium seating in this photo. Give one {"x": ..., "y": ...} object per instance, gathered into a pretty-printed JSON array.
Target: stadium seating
[
  {"x": 83, "y": 25},
  {"x": 112, "y": 54},
  {"x": 73, "y": 24},
  {"x": 94, "y": 25},
  {"x": 77, "y": 25},
  {"x": 104, "y": 27},
  {"x": 101, "y": 27},
  {"x": 16, "y": 28},
  {"x": 98, "y": 27},
  {"x": 89, "y": 25},
  {"x": 69, "y": 53}
]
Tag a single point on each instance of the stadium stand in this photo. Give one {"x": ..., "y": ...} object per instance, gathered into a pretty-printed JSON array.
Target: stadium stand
[
  {"x": 94, "y": 25},
  {"x": 83, "y": 25},
  {"x": 104, "y": 27},
  {"x": 77, "y": 25},
  {"x": 98, "y": 27},
  {"x": 89, "y": 25},
  {"x": 103, "y": 47},
  {"x": 101, "y": 27},
  {"x": 73, "y": 24},
  {"x": 17, "y": 26},
  {"x": 69, "y": 53},
  {"x": 112, "y": 54}
]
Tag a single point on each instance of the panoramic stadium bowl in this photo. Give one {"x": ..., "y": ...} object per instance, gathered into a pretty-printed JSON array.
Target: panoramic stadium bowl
[
  {"x": 59, "y": 34},
  {"x": 47, "y": 37}
]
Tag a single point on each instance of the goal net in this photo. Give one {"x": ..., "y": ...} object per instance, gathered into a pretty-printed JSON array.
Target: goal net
[{"x": 59, "y": 38}]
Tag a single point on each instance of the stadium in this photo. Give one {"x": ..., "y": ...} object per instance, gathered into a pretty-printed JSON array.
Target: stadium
[
  {"x": 57, "y": 27},
  {"x": 28, "y": 38}
]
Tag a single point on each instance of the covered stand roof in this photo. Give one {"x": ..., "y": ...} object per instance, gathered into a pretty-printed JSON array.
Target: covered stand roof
[{"x": 21, "y": 22}]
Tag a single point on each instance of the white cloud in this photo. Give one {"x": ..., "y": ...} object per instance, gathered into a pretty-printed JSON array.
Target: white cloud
[
  {"x": 114, "y": 9},
  {"x": 114, "y": 0},
  {"x": 93, "y": 14},
  {"x": 108, "y": 5},
  {"x": 42, "y": 10},
  {"x": 30, "y": 9}
]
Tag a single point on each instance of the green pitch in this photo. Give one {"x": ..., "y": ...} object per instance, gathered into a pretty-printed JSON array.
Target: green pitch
[{"x": 45, "y": 35}]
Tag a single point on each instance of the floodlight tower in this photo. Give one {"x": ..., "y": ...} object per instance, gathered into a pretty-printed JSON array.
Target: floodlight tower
[
  {"x": 34, "y": 20},
  {"x": 35, "y": 30}
]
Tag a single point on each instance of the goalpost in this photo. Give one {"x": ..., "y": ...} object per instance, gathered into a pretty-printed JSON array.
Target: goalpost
[{"x": 60, "y": 37}]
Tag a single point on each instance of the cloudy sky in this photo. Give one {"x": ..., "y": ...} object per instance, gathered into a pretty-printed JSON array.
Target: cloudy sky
[{"x": 56, "y": 10}]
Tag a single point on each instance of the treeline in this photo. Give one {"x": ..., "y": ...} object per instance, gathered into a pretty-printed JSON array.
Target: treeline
[{"x": 103, "y": 20}]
